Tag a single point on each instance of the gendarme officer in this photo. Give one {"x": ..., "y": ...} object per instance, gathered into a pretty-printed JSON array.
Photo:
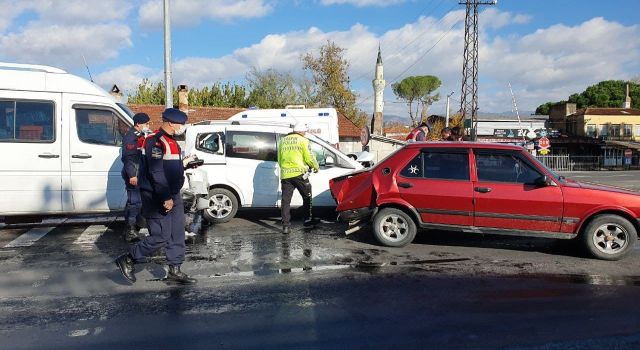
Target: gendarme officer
[
  {"x": 160, "y": 179},
  {"x": 131, "y": 157}
]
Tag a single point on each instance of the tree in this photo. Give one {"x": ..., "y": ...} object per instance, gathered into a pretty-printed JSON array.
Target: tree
[
  {"x": 227, "y": 95},
  {"x": 270, "y": 89},
  {"x": 329, "y": 71},
  {"x": 608, "y": 93},
  {"x": 417, "y": 90}
]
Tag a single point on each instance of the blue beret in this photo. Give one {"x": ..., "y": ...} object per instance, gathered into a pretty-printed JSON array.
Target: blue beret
[
  {"x": 140, "y": 118},
  {"x": 174, "y": 115}
]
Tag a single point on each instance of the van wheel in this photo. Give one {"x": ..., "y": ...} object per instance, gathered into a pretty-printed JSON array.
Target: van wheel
[
  {"x": 393, "y": 227},
  {"x": 609, "y": 237},
  {"x": 223, "y": 206}
]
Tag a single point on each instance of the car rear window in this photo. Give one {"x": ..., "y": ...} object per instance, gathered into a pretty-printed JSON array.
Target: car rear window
[{"x": 438, "y": 165}]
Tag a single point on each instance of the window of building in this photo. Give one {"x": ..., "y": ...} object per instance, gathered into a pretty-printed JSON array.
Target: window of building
[
  {"x": 504, "y": 167},
  {"x": 614, "y": 130},
  {"x": 604, "y": 130},
  {"x": 252, "y": 145},
  {"x": 439, "y": 165},
  {"x": 591, "y": 130},
  {"x": 27, "y": 121},
  {"x": 628, "y": 130},
  {"x": 100, "y": 127}
]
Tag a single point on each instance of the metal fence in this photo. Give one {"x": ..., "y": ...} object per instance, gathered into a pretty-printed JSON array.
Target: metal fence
[{"x": 567, "y": 162}]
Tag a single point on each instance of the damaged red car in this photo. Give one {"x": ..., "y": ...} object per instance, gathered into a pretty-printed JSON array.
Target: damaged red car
[{"x": 485, "y": 188}]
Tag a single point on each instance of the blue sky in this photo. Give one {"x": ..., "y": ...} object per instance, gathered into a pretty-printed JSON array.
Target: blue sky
[{"x": 546, "y": 49}]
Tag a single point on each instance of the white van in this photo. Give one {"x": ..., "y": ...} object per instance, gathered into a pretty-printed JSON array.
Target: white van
[
  {"x": 321, "y": 122},
  {"x": 60, "y": 138},
  {"x": 241, "y": 160}
]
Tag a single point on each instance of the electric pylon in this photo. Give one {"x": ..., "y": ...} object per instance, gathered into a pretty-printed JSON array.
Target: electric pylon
[{"x": 469, "y": 95}]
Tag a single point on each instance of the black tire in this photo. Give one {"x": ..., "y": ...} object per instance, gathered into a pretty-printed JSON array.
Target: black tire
[
  {"x": 393, "y": 227},
  {"x": 223, "y": 206},
  {"x": 609, "y": 237}
]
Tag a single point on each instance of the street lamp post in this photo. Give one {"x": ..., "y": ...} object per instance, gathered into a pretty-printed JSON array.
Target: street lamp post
[
  {"x": 447, "y": 120},
  {"x": 168, "y": 84}
]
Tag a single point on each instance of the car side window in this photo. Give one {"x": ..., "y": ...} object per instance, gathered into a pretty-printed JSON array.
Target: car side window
[
  {"x": 252, "y": 145},
  {"x": 439, "y": 166},
  {"x": 504, "y": 167},
  {"x": 414, "y": 168},
  {"x": 22, "y": 121},
  {"x": 100, "y": 127},
  {"x": 209, "y": 142}
]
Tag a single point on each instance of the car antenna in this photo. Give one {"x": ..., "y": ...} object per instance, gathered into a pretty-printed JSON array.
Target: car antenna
[{"x": 87, "y": 66}]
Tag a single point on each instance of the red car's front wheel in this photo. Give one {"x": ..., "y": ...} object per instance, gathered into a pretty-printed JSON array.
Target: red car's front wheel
[
  {"x": 609, "y": 237},
  {"x": 393, "y": 227}
]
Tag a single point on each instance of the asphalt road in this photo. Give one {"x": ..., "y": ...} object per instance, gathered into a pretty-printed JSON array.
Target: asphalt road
[
  {"x": 313, "y": 289},
  {"x": 627, "y": 179}
]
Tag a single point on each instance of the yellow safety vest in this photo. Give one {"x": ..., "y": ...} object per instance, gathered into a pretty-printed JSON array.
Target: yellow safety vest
[{"x": 294, "y": 156}]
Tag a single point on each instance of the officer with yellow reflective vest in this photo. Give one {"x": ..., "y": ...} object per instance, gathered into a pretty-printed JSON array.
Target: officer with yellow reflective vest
[{"x": 295, "y": 160}]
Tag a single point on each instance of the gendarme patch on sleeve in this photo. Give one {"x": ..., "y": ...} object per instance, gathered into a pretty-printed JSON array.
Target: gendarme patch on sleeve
[{"x": 156, "y": 152}]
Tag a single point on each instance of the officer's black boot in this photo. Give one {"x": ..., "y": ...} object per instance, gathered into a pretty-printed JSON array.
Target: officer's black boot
[
  {"x": 311, "y": 222},
  {"x": 175, "y": 275},
  {"x": 125, "y": 264},
  {"x": 131, "y": 234}
]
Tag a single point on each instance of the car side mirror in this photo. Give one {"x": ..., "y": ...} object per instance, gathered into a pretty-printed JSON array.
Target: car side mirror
[
  {"x": 329, "y": 161},
  {"x": 542, "y": 181}
]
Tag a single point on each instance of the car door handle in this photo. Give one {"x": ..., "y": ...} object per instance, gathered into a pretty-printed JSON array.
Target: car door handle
[
  {"x": 48, "y": 155},
  {"x": 482, "y": 189},
  {"x": 405, "y": 185},
  {"x": 81, "y": 156}
]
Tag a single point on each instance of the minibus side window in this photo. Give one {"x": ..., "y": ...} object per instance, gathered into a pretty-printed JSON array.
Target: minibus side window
[
  {"x": 100, "y": 127},
  {"x": 27, "y": 121}
]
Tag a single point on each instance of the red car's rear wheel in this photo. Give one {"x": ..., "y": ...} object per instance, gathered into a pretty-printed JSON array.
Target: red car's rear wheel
[{"x": 393, "y": 227}]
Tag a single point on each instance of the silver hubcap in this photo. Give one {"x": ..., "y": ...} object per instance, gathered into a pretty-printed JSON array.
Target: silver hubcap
[
  {"x": 220, "y": 206},
  {"x": 610, "y": 238},
  {"x": 394, "y": 228}
]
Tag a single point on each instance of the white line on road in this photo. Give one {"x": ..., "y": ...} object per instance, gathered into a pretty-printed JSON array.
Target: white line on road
[
  {"x": 90, "y": 235},
  {"x": 30, "y": 237}
]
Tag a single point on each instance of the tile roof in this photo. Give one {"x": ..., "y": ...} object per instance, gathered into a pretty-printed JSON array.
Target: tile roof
[
  {"x": 346, "y": 128},
  {"x": 608, "y": 111}
]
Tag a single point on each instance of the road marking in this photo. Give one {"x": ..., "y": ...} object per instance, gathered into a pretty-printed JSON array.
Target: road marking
[
  {"x": 90, "y": 235},
  {"x": 30, "y": 237}
]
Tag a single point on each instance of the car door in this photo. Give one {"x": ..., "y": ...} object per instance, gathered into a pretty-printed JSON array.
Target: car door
[
  {"x": 507, "y": 196},
  {"x": 331, "y": 166},
  {"x": 437, "y": 183},
  {"x": 31, "y": 143},
  {"x": 95, "y": 151},
  {"x": 252, "y": 159}
]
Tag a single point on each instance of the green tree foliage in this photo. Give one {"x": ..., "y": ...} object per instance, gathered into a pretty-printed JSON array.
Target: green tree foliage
[
  {"x": 329, "y": 71},
  {"x": 217, "y": 95},
  {"x": 274, "y": 89},
  {"x": 608, "y": 93},
  {"x": 418, "y": 91}
]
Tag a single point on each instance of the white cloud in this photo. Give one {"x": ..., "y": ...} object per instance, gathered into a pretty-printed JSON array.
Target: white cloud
[
  {"x": 547, "y": 64},
  {"x": 65, "y": 45},
  {"x": 362, "y": 3},
  {"x": 126, "y": 77},
  {"x": 192, "y": 12},
  {"x": 62, "y": 32}
]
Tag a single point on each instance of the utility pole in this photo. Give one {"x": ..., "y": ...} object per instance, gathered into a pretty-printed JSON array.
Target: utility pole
[
  {"x": 447, "y": 120},
  {"x": 469, "y": 95},
  {"x": 168, "y": 84}
]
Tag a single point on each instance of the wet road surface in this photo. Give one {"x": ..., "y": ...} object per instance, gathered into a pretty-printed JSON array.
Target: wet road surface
[{"x": 315, "y": 289}]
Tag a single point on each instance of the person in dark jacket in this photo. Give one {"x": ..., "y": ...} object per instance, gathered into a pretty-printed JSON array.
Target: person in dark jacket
[
  {"x": 161, "y": 178},
  {"x": 131, "y": 154}
]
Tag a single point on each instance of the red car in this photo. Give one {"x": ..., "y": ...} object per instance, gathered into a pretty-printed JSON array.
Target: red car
[{"x": 485, "y": 188}]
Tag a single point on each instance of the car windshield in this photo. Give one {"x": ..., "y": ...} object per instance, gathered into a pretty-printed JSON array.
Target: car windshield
[
  {"x": 551, "y": 172},
  {"x": 126, "y": 109},
  {"x": 342, "y": 159}
]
